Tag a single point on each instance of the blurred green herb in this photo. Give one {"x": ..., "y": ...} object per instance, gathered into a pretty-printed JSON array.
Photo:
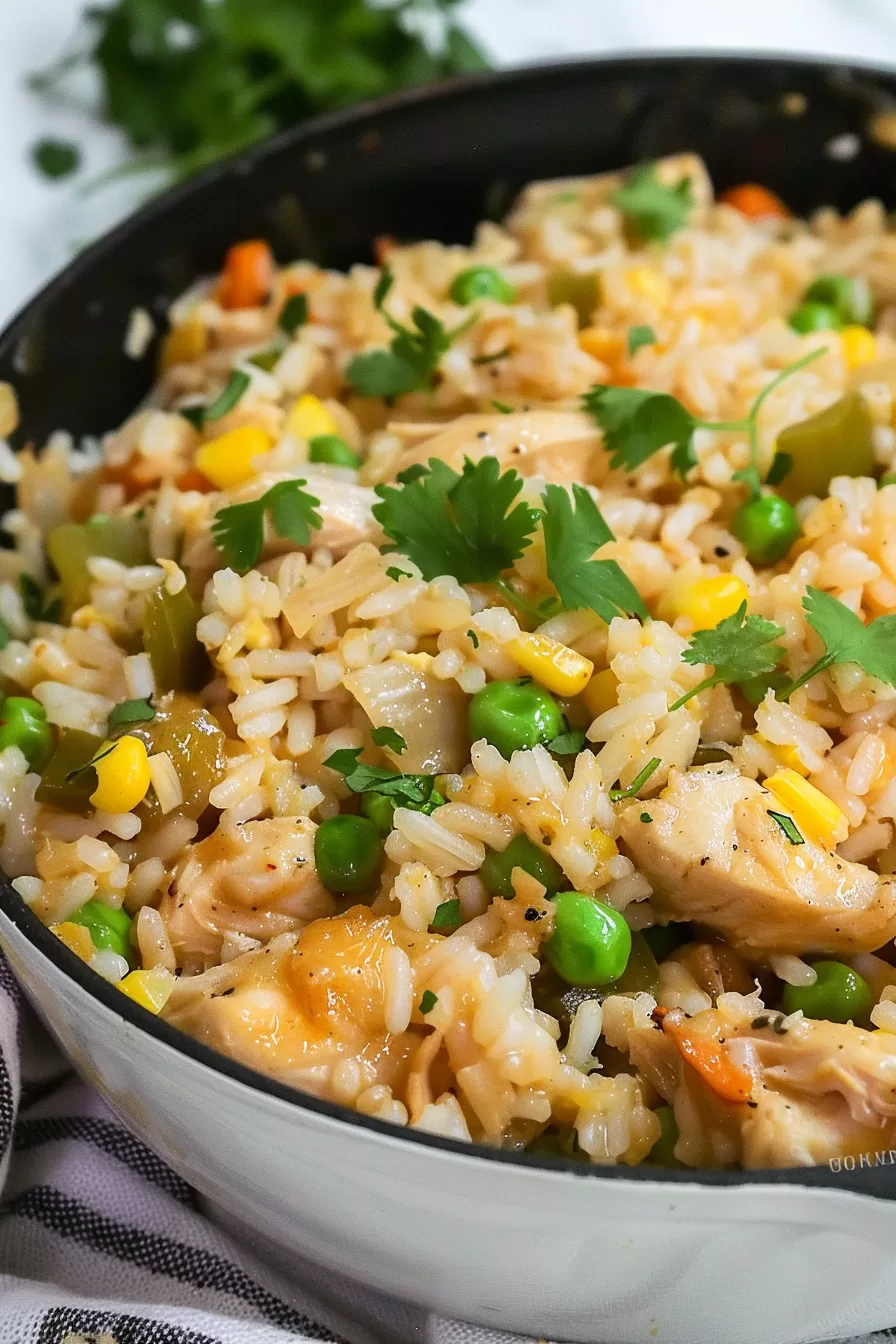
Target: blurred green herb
[
  {"x": 188, "y": 81},
  {"x": 55, "y": 158}
]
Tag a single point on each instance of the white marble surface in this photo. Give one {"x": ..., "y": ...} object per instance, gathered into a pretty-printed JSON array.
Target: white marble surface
[{"x": 41, "y": 223}]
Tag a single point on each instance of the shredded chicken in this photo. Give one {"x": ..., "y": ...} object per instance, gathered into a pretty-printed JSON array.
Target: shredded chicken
[
  {"x": 714, "y": 855},
  {"x": 561, "y": 446}
]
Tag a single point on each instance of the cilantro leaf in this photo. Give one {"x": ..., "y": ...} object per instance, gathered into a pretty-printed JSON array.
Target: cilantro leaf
[
  {"x": 293, "y": 314},
  {"x": 387, "y": 737},
  {"x": 230, "y": 394},
  {"x": 847, "y": 640},
  {"x": 502, "y": 409},
  {"x": 653, "y": 211},
  {"x": 637, "y": 424},
  {"x": 447, "y": 915},
  {"x": 238, "y": 529},
  {"x": 739, "y": 648},
  {"x": 5, "y": 635},
  {"x": 32, "y": 596},
  {"x": 410, "y": 364},
  {"x": 409, "y": 790},
  {"x": 131, "y": 711},
  {"x": 788, "y": 826},
  {"x": 639, "y": 337},
  {"x": 573, "y": 530},
  {"x": 55, "y": 158},
  {"x": 394, "y": 573},
  {"x": 428, "y": 1001},
  {"x": 569, "y": 743},
  {"x": 637, "y": 784},
  {"x": 466, "y": 525}
]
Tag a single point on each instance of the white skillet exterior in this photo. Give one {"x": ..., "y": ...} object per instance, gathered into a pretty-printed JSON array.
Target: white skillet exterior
[{"x": 543, "y": 1252}]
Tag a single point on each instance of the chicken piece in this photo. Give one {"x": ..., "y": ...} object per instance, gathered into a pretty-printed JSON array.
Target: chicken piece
[
  {"x": 714, "y": 855},
  {"x": 561, "y": 446},
  {"x": 258, "y": 880}
]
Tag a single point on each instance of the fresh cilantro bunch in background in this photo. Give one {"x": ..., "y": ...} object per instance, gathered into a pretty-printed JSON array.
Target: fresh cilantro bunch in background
[{"x": 188, "y": 81}]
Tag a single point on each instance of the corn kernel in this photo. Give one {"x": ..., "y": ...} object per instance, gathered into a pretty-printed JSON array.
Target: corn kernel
[
  {"x": 309, "y": 418},
  {"x": 648, "y": 283},
  {"x": 603, "y": 344},
  {"x": 704, "y": 602},
  {"x": 859, "y": 346},
  {"x": 151, "y": 989},
  {"x": 123, "y": 776},
  {"x": 227, "y": 460},
  {"x": 785, "y": 753},
  {"x": 421, "y": 661},
  {"x": 9, "y": 410},
  {"x": 602, "y": 692},
  {"x": 183, "y": 344},
  {"x": 76, "y": 938},
  {"x": 815, "y": 814},
  {"x": 602, "y": 846},
  {"x": 552, "y": 664}
]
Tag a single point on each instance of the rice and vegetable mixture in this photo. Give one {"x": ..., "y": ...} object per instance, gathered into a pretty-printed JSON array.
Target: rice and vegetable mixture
[{"x": 466, "y": 689}]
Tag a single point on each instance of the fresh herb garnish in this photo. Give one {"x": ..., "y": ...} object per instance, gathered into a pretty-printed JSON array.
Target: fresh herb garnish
[
  {"x": 412, "y": 790},
  {"x": 266, "y": 360},
  {"x": 638, "y": 337},
  {"x": 502, "y": 409},
  {"x": 637, "y": 423},
  {"x": 573, "y": 530},
  {"x": 131, "y": 711},
  {"x": 646, "y": 818},
  {"x": 618, "y": 795},
  {"x": 492, "y": 359},
  {"x": 293, "y": 314},
  {"x": 569, "y": 743},
  {"x": 238, "y": 529},
  {"x": 55, "y": 158},
  {"x": 473, "y": 638},
  {"x": 653, "y": 211},
  {"x": 410, "y": 363},
  {"x": 5, "y": 635},
  {"x": 788, "y": 826},
  {"x": 465, "y": 525},
  {"x": 393, "y": 572},
  {"x": 189, "y": 82},
  {"x": 88, "y": 765},
  {"x": 738, "y": 648},
  {"x": 387, "y": 737},
  {"x": 428, "y": 1001},
  {"x": 447, "y": 915},
  {"x": 32, "y": 596},
  {"x": 223, "y": 403},
  {"x": 847, "y": 640}
]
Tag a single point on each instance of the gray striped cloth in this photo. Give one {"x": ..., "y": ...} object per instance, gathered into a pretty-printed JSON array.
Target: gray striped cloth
[{"x": 101, "y": 1243}]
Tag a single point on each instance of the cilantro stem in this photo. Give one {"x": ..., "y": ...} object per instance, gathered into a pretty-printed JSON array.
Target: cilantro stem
[
  {"x": 821, "y": 666},
  {"x": 617, "y": 795},
  {"x": 704, "y": 685},
  {"x": 517, "y": 600}
]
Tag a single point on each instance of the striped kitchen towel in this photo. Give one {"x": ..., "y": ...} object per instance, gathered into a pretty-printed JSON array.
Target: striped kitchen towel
[{"x": 101, "y": 1243}]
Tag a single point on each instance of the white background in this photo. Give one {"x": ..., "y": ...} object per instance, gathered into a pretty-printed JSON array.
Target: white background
[{"x": 41, "y": 223}]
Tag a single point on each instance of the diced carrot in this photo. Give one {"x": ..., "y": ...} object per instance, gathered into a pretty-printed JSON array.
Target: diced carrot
[
  {"x": 383, "y": 247},
  {"x": 247, "y": 275},
  {"x": 755, "y": 202},
  {"x": 123, "y": 474},
  {"x": 193, "y": 479},
  {"x": 710, "y": 1059}
]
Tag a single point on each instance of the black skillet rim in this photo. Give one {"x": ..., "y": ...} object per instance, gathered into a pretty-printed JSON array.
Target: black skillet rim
[{"x": 861, "y": 1181}]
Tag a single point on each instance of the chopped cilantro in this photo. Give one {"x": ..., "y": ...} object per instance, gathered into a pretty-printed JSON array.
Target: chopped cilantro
[
  {"x": 224, "y": 402},
  {"x": 387, "y": 737},
  {"x": 428, "y": 1001},
  {"x": 393, "y": 572},
  {"x": 847, "y": 640},
  {"x": 739, "y": 648},
  {"x": 639, "y": 337},
  {"x": 492, "y": 359},
  {"x": 4, "y": 634},
  {"x": 502, "y": 409},
  {"x": 411, "y": 362},
  {"x": 447, "y": 915},
  {"x": 619, "y": 795},
  {"x": 646, "y": 817},
  {"x": 238, "y": 529},
  {"x": 788, "y": 826},
  {"x": 55, "y": 158},
  {"x": 569, "y": 743},
  {"x": 32, "y": 596},
  {"x": 653, "y": 211},
  {"x": 473, "y": 638},
  {"x": 131, "y": 711},
  {"x": 293, "y": 314},
  {"x": 414, "y": 791},
  {"x": 573, "y": 530}
]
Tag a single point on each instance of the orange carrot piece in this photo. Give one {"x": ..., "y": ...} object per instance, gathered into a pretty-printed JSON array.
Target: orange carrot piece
[
  {"x": 711, "y": 1060},
  {"x": 755, "y": 202},
  {"x": 193, "y": 479},
  {"x": 247, "y": 275}
]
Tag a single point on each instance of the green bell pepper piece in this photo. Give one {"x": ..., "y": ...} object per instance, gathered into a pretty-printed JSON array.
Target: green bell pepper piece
[
  {"x": 65, "y": 782},
  {"x": 179, "y": 661},
  {"x": 71, "y": 545},
  {"x": 835, "y": 442}
]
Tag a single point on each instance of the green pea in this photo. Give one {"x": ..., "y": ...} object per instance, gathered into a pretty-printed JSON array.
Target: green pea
[
  {"x": 107, "y": 927},
  {"x": 849, "y": 296},
  {"x": 839, "y": 994},
  {"x": 768, "y": 527},
  {"x": 379, "y": 809},
  {"x": 662, "y": 1154},
  {"x": 332, "y": 450},
  {"x": 815, "y": 317},
  {"x": 348, "y": 854},
  {"x": 481, "y": 282},
  {"x": 514, "y": 716},
  {"x": 520, "y": 853},
  {"x": 23, "y": 724},
  {"x": 591, "y": 941}
]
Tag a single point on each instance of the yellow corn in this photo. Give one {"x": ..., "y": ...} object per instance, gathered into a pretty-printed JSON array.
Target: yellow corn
[
  {"x": 309, "y": 418},
  {"x": 859, "y": 346},
  {"x": 648, "y": 283},
  {"x": 151, "y": 989},
  {"x": 602, "y": 692},
  {"x": 704, "y": 602},
  {"x": 9, "y": 410},
  {"x": 551, "y": 663},
  {"x": 602, "y": 846},
  {"x": 603, "y": 344},
  {"x": 183, "y": 344},
  {"x": 227, "y": 460},
  {"x": 421, "y": 661},
  {"x": 123, "y": 776},
  {"x": 76, "y": 938},
  {"x": 786, "y": 754},
  {"x": 815, "y": 814}
]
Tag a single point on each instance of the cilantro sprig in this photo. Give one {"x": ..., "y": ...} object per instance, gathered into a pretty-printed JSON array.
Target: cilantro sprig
[
  {"x": 387, "y": 737},
  {"x": 417, "y": 792},
  {"x": 638, "y": 423},
  {"x": 638, "y": 337},
  {"x": 653, "y": 211},
  {"x": 411, "y": 362},
  {"x": 637, "y": 784},
  {"x": 229, "y": 396},
  {"x": 238, "y": 529},
  {"x": 573, "y": 530},
  {"x": 131, "y": 711},
  {"x": 738, "y": 648},
  {"x": 847, "y": 640}
]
